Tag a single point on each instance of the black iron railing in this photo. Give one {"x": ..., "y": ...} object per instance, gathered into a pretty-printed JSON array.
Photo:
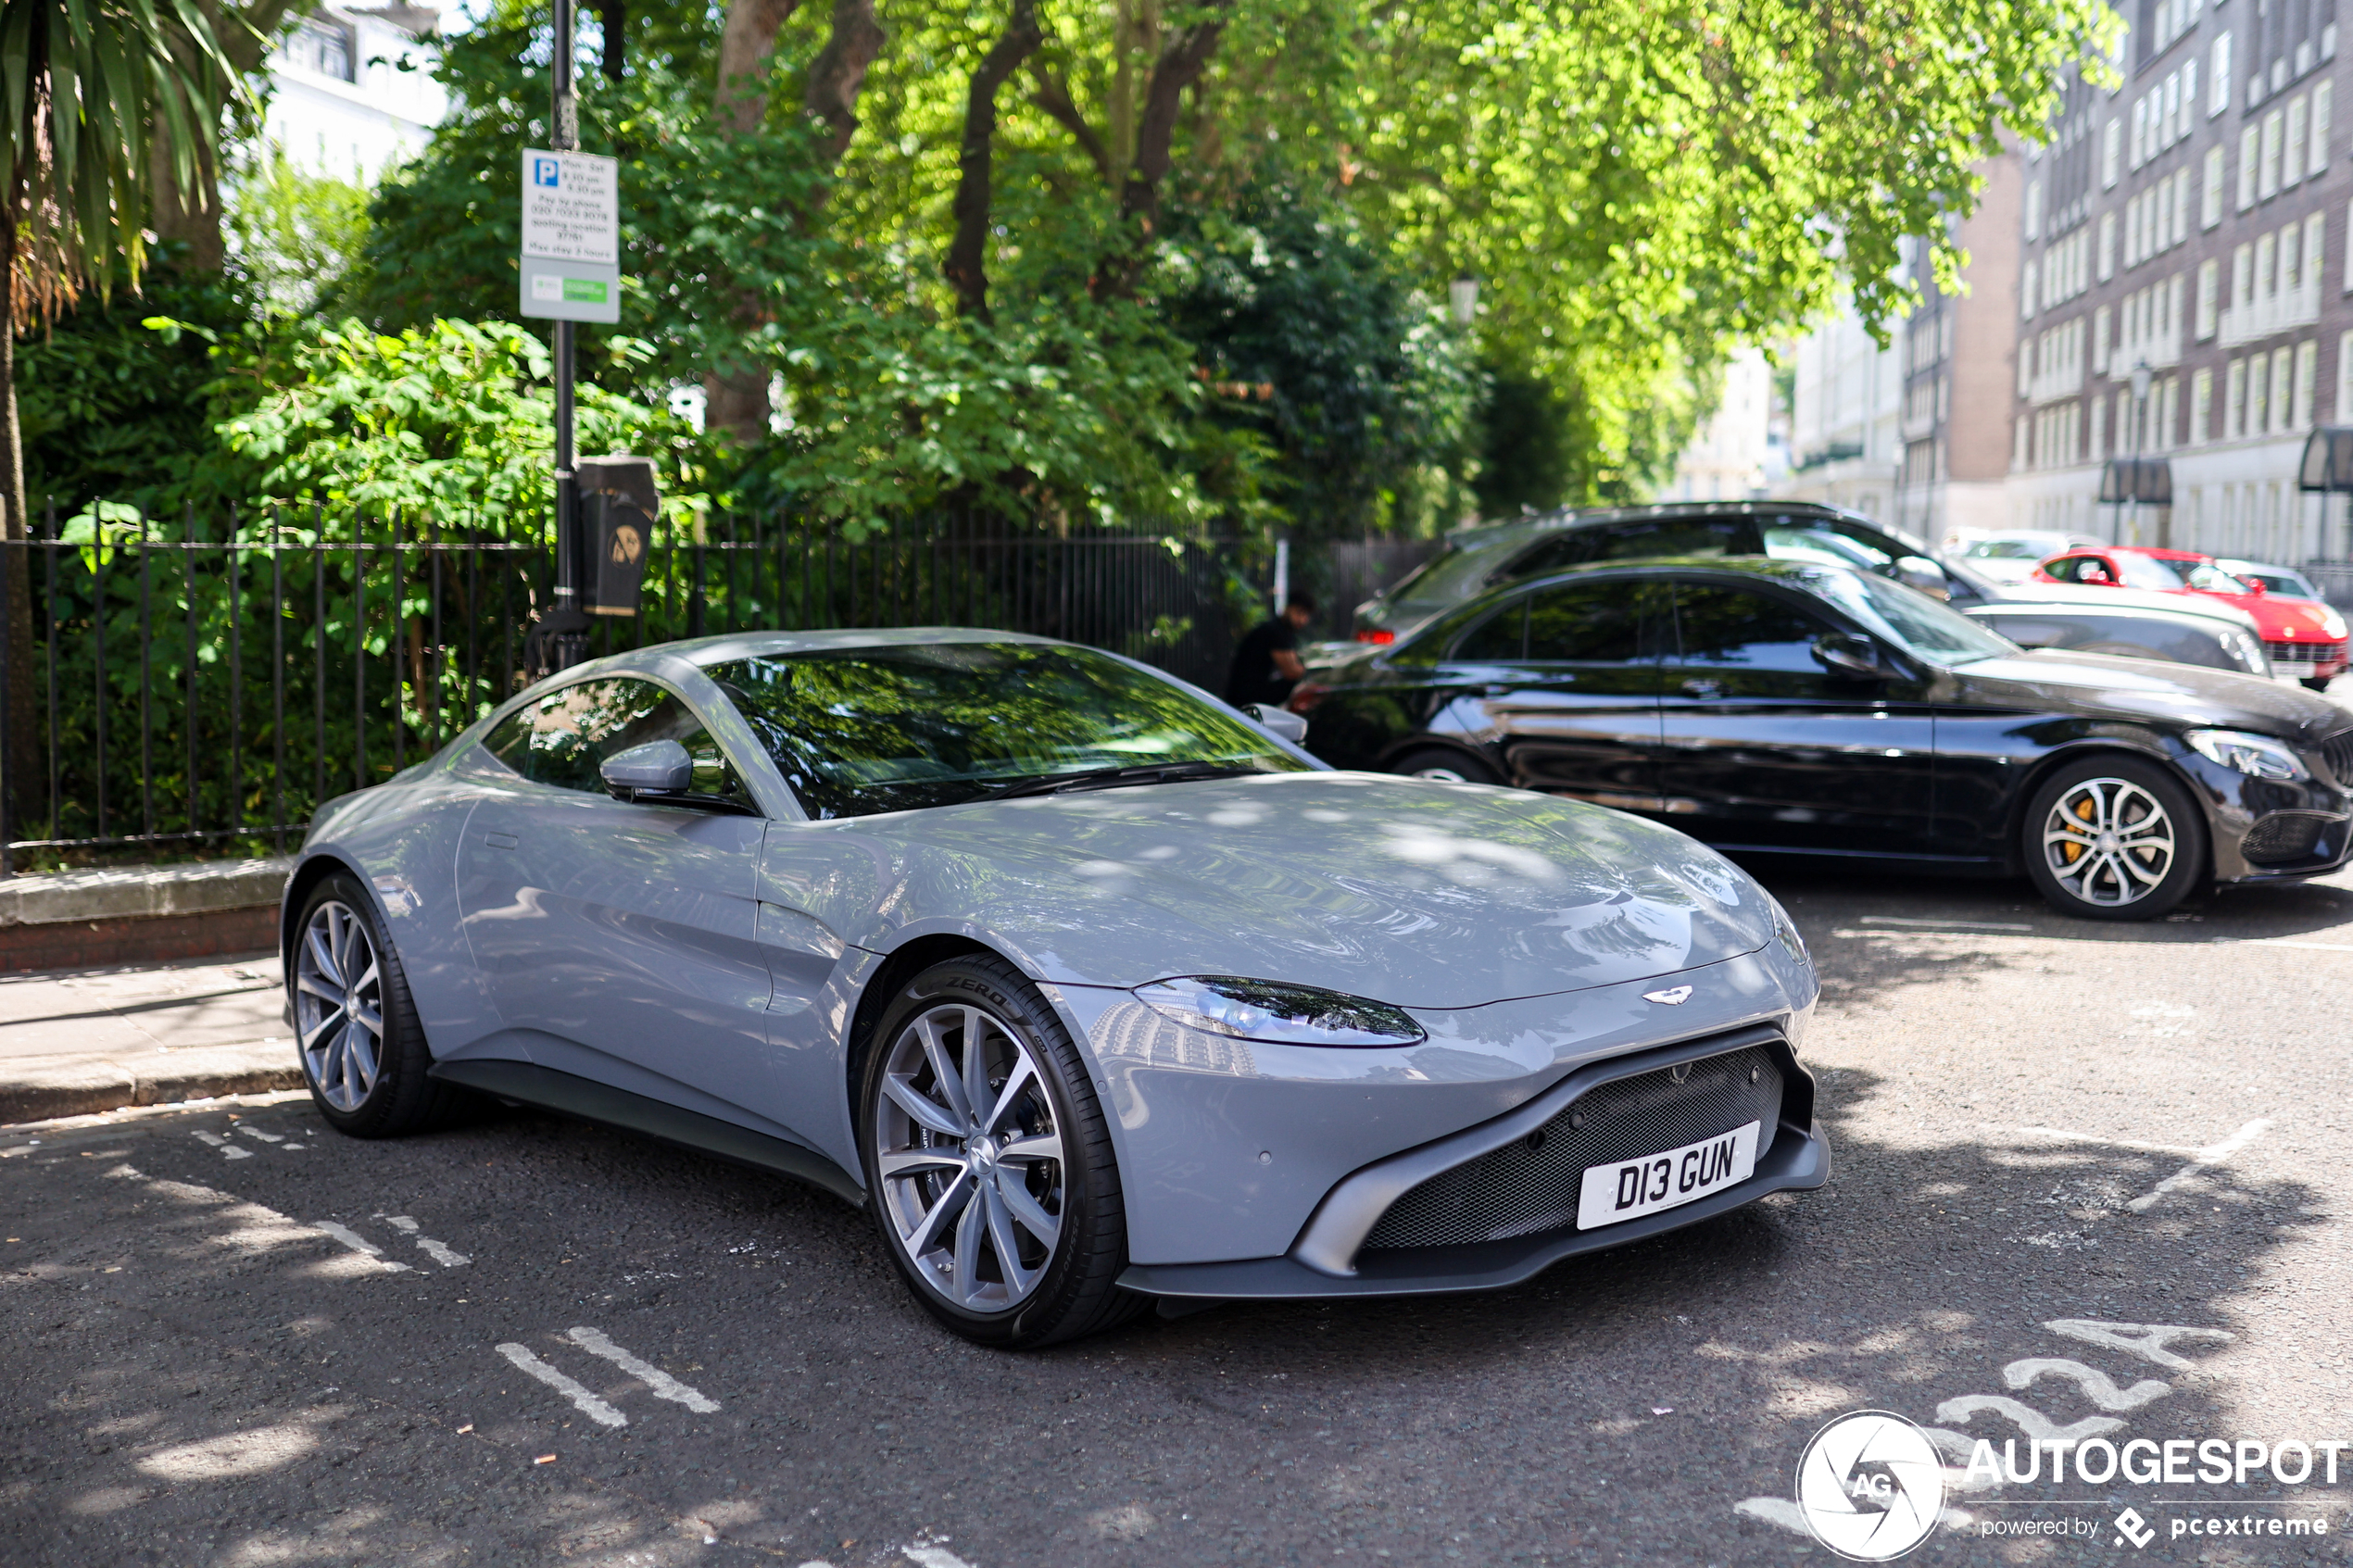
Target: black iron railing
[{"x": 194, "y": 692}]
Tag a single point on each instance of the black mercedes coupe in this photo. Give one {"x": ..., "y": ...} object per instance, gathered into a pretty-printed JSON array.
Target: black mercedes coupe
[{"x": 1792, "y": 708}]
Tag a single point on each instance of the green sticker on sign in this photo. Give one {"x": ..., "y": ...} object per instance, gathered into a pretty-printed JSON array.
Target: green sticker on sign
[{"x": 588, "y": 291}]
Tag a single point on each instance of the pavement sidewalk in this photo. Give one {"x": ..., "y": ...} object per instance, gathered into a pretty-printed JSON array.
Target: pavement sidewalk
[{"x": 76, "y": 1041}]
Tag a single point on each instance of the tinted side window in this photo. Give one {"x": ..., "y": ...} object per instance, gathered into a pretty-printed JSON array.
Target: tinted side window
[
  {"x": 572, "y": 730},
  {"x": 1501, "y": 638},
  {"x": 1732, "y": 628},
  {"x": 510, "y": 741},
  {"x": 1705, "y": 537},
  {"x": 2069, "y": 569},
  {"x": 1585, "y": 624}
]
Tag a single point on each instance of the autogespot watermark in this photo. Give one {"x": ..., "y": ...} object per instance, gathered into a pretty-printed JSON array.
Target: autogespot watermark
[{"x": 1872, "y": 1485}]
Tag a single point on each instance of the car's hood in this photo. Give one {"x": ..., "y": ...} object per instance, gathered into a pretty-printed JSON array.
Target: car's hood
[
  {"x": 2146, "y": 689},
  {"x": 2031, "y": 591},
  {"x": 2286, "y": 619},
  {"x": 1415, "y": 893}
]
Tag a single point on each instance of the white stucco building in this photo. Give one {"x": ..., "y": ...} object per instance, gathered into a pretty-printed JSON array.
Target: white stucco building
[
  {"x": 1845, "y": 436},
  {"x": 1726, "y": 461},
  {"x": 341, "y": 103}
]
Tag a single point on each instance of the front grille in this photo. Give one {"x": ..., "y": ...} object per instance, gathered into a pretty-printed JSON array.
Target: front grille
[
  {"x": 2284, "y": 836},
  {"x": 2305, "y": 652},
  {"x": 2337, "y": 752},
  {"x": 1531, "y": 1184}
]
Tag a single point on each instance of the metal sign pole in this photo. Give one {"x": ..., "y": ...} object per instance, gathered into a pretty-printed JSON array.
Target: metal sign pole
[{"x": 568, "y": 635}]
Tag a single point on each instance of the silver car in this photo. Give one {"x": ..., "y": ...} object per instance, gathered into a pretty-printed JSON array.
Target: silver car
[{"x": 1092, "y": 989}]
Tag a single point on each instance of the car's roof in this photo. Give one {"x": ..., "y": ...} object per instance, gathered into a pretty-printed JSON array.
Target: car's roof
[
  {"x": 727, "y": 645},
  {"x": 1479, "y": 534},
  {"x": 2151, "y": 550},
  {"x": 2001, "y": 609}
]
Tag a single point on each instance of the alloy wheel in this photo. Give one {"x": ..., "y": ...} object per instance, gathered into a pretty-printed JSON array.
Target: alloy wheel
[
  {"x": 2108, "y": 842},
  {"x": 339, "y": 1005},
  {"x": 969, "y": 1158}
]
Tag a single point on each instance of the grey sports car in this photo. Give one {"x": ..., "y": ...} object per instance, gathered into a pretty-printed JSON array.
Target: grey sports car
[{"x": 1091, "y": 988}]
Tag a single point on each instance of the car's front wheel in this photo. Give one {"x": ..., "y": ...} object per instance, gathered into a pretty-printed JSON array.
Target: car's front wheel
[
  {"x": 364, "y": 1057},
  {"x": 989, "y": 1162},
  {"x": 2114, "y": 838}
]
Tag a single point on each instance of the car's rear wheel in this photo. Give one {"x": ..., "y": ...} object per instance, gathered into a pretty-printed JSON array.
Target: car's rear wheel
[
  {"x": 989, "y": 1162},
  {"x": 1445, "y": 765},
  {"x": 2114, "y": 838},
  {"x": 364, "y": 1057}
]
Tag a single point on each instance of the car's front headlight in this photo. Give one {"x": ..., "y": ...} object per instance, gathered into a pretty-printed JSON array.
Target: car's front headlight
[
  {"x": 1279, "y": 1014},
  {"x": 1785, "y": 930},
  {"x": 2250, "y": 649},
  {"x": 2259, "y": 756},
  {"x": 2332, "y": 625}
]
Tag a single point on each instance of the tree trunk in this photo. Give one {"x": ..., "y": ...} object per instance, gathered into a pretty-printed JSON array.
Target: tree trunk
[
  {"x": 967, "y": 264},
  {"x": 1181, "y": 61},
  {"x": 839, "y": 71},
  {"x": 20, "y": 788},
  {"x": 193, "y": 216},
  {"x": 745, "y": 45}
]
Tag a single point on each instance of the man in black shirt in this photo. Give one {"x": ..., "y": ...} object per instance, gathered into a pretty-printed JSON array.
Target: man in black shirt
[{"x": 1267, "y": 666}]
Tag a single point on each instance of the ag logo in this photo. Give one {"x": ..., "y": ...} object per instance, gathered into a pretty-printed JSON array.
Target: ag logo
[
  {"x": 1673, "y": 997},
  {"x": 627, "y": 545},
  {"x": 2130, "y": 1526},
  {"x": 1870, "y": 1485}
]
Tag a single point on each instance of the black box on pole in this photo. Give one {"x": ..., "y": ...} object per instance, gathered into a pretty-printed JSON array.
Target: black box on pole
[{"x": 618, "y": 506}]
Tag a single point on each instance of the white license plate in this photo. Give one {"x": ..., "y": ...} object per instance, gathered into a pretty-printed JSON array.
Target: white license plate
[
  {"x": 1672, "y": 1176},
  {"x": 2295, "y": 669}
]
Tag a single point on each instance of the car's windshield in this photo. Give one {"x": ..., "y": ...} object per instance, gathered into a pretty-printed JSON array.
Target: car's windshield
[
  {"x": 860, "y": 731},
  {"x": 2015, "y": 549},
  {"x": 2155, "y": 571},
  {"x": 1912, "y": 621},
  {"x": 2278, "y": 579}
]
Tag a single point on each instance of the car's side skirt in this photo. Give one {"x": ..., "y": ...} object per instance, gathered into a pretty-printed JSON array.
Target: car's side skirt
[{"x": 569, "y": 1095}]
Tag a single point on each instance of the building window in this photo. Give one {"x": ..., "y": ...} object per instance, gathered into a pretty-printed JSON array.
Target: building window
[
  {"x": 2235, "y": 401},
  {"x": 2182, "y": 205},
  {"x": 2267, "y": 182},
  {"x": 2344, "y": 376},
  {"x": 2247, "y": 163},
  {"x": 2111, "y": 150},
  {"x": 2282, "y": 374},
  {"x": 2307, "y": 370},
  {"x": 2315, "y": 231},
  {"x": 2321, "y": 103},
  {"x": 2201, "y": 407},
  {"x": 2291, "y": 157},
  {"x": 2034, "y": 210},
  {"x": 321, "y": 47},
  {"x": 2210, "y": 291},
  {"x": 2026, "y": 295},
  {"x": 2219, "y": 68},
  {"x": 2209, "y": 212},
  {"x": 2243, "y": 277}
]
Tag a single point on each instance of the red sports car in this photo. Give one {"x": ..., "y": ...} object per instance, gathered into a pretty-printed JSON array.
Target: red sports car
[{"x": 2304, "y": 637}]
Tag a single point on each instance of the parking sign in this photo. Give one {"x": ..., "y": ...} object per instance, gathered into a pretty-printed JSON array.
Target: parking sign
[{"x": 570, "y": 237}]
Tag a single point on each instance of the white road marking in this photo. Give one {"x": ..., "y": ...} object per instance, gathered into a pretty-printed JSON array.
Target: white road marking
[
  {"x": 1945, "y": 924},
  {"x": 2290, "y": 942},
  {"x": 589, "y": 1404},
  {"x": 933, "y": 1557},
  {"x": 2026, "y": 1418},
  {"x": 228, "y": 1150},
  {"x": 358, "y": 1243},
  {"x": 2063, "y": 1134},
  {"x": 2097, "y": 1385},
  {"x": 2206, "y": 1157},
  {"x": 661, "y": 1383},
  {"x": 2147, "y": 1340},
  {"x": 257, "y": 1132},
  {"x": 447, "y": 1258}
]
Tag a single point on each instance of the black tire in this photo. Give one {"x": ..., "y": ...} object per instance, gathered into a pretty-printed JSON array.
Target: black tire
[
  {"x": 1070, "y": 1286},
  {"x": 2130, "y": 867},
  {"x": 398, "y": 1097},
  {"x": 2317, "y": 682},
  {"x": 1446, "y": 765}
]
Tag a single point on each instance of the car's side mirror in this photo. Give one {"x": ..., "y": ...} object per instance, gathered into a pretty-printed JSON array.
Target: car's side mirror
[
  {"x": 1843, "y": 653},
  {"x": 2256, "y": 586},
  {"x": 659, "y": 767},
  {"x": 1919, "y": 572},
  {"x": 1281, "y": 723}
]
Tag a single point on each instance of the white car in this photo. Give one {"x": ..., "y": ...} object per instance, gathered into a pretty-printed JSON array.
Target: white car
[{"x": 2012, "y": 557}]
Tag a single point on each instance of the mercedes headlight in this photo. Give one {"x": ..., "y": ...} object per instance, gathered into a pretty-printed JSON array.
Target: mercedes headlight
[
  {"x": 2259, "y": 756},
  {"x": 1289, "y": 1015}
]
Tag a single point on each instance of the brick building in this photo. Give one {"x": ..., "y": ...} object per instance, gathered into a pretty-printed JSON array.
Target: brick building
[{"x": 2186, "y": 290}]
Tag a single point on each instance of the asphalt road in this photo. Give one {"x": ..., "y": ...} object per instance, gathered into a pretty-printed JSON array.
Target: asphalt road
[{"x": 593, "y": 1348}]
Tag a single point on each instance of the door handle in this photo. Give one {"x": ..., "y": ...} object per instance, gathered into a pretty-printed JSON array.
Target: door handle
[
  {"x": 500, "y": 840},
  {"x": 1701, "y": 687}
]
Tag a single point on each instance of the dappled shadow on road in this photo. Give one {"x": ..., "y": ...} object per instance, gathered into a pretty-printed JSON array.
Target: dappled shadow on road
[{"x": 247, "y": 1391}]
